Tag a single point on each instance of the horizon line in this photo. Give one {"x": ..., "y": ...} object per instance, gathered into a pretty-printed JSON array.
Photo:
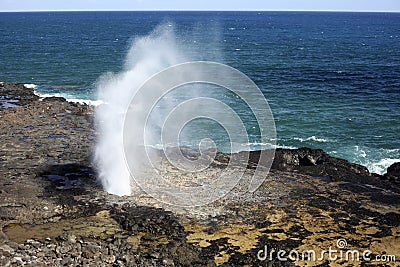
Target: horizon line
[{"x": 183, "y": 10}]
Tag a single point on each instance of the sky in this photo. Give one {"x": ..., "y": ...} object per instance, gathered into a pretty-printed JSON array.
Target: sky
[{"x": 311, "y": 5}]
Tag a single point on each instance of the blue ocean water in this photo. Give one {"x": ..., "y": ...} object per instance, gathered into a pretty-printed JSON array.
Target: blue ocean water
[{"x": 332, "y": 79}]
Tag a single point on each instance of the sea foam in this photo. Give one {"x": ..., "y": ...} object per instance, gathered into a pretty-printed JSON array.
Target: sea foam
[
  {"x": 380, "y": 167},
  {"x": 30, "y": 85},
  {"x": 311, "y": 138}
]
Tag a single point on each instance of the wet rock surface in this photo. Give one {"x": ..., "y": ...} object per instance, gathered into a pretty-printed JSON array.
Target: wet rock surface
[
  {"x": 393, "y": 173},
  {"x": 318, "y": 163},
  {"x": 54, "y": 213}
]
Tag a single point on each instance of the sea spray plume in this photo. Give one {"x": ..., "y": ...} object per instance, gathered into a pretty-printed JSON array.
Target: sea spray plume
[
  {"x": 146, "y": 167},
  {"x": 146, "y": 56},
  {"x": 131, "y": 121}
]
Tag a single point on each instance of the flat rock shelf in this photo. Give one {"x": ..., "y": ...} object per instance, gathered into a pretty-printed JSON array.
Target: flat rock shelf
[{"x": 53, "y": 212}]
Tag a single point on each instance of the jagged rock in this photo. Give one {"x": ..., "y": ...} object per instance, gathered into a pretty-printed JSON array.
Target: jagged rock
[
  {"x": 17, "y": 93},
  {"x": 394, "y": 170},
  {"x": 317, "y": 162},
  {"x": 150, "y": 220},
  {"x": 6, "y": 250}
]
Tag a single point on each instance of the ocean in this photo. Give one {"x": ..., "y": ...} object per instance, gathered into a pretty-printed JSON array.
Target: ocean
[{"x": 332, "y": 80}]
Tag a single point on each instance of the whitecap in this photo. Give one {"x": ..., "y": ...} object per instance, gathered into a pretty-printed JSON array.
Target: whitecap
[
  {"x": 263, "y": 145},
  {"x": 285, "y": 147},
  {"x": 30, "y": 85},
  {"x": 47, "y": 95},
  {"x": 70, "y": 99},
  {"x": 311, "y": 138},
  {"x": 298, "y": 139}
]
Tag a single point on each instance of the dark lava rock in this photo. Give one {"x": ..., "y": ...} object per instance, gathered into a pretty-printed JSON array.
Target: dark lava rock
[
  {"x": 148, "y": 219},
  {"x": 318, "y": 163},
  {"x": 17, "y": 93},
  {"x": 393, "y": 172},
  {"x": 392, "y": 176}
]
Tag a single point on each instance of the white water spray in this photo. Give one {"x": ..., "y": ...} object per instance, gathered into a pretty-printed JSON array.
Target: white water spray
[
  {"x": 146, "y": 56},
  {"x": 128, "y": 126}
]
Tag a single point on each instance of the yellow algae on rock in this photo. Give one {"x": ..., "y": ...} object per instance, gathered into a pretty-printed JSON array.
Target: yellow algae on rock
[
  {"x": 242, "y": 237},
  {"x": 221, "y": 258}
]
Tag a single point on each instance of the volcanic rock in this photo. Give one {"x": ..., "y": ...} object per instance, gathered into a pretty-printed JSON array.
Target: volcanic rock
[{"x": 54, "y": 212}]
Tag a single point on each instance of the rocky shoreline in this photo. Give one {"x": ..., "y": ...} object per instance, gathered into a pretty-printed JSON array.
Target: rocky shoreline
[{"x": 54, "y": 212}]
